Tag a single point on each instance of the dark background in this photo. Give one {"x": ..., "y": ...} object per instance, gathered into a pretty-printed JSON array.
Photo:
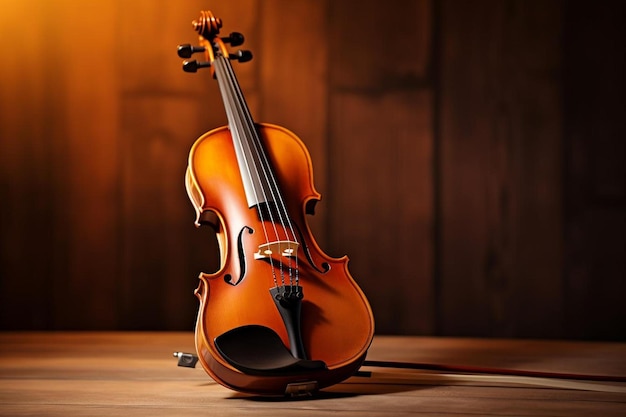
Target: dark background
[{"x": 470, "y": 155}]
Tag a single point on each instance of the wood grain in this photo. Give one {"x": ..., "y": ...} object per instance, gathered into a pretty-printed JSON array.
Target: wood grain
[
  {"x": 134, "y": 374},
  {"x": 595, "y": 190},
  {"x": 380, "y": 159},
  {"x": 469, "y": 157},
  {"x": 500, "y": 170}
]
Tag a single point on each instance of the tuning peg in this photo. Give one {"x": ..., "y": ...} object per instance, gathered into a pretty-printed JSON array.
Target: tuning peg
[
  {"x": 186, "y": 50},
  {"x": 241, "y": 56},
  {"x": 235, "y": 39},
  {"x": 193, "y": 66}
]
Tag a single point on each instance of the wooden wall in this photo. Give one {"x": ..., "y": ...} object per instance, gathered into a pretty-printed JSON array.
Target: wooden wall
[{"x": 470, "y": 156}]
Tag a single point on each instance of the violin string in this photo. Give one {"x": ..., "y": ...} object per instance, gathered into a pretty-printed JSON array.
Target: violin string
[
  {"x": 247, "y": 127},
  {"x": 275, "y": 191},
  {"x": 248, "y": 130},
  {"x": 270, "y": 179},
  {"x": 267, "y": 173},
  {"x": 221, "y": 66}
]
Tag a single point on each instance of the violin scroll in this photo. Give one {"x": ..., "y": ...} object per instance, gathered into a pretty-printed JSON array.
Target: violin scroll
[{"x": 208, "y": 26}]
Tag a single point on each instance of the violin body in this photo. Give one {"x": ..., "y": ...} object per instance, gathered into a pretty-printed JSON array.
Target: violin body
[
  {"x": 279, "y": 316},
  {"x": 337, "y": 323}
]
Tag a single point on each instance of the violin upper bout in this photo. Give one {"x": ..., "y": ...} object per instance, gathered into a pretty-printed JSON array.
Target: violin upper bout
[{"x": 203, "y": 217}]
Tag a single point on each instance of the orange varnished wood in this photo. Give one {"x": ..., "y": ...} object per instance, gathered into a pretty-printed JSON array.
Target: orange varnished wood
[{"x": 337, "y": 322}]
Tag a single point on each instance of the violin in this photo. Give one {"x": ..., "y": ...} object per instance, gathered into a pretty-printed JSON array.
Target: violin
[{"x": 279, "y": 316}]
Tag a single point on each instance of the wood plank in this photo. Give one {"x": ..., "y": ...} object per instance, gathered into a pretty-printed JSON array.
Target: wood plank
[
  {"x": 500, "y": 170},
  {"x": 595, "y": 191},
  {"x": 386, "y": 217},
  {"x": 70, "y": 128},
  {"x": 380, "y": 158},
  {"x": 27, "y": 173},
  {"x": 380, "y": 48},
  {"x": 89, "y": 176}
]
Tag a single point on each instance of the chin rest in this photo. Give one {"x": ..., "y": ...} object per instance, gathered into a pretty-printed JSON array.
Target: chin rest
[{"x": 258, "y": 350}]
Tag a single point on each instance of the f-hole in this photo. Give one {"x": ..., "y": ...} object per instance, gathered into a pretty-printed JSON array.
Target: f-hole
[{"x": 228, "y": 278}]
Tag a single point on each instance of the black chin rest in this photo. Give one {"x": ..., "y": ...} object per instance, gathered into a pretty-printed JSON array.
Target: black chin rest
[{"x": 258, "y": 350}]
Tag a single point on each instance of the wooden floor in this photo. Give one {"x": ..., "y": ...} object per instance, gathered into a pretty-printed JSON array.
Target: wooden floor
[{"x": 134, "y": 374}]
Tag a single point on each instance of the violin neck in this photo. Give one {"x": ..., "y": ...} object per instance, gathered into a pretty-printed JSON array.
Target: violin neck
[{"x": 252, "y": 159}]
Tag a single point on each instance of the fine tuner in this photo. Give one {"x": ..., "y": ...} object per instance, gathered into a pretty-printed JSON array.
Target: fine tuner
[{"x": 187, "y": 50}]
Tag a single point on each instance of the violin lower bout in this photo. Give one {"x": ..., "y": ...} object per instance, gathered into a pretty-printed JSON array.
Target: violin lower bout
[{"x": 336, "y": 328}]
